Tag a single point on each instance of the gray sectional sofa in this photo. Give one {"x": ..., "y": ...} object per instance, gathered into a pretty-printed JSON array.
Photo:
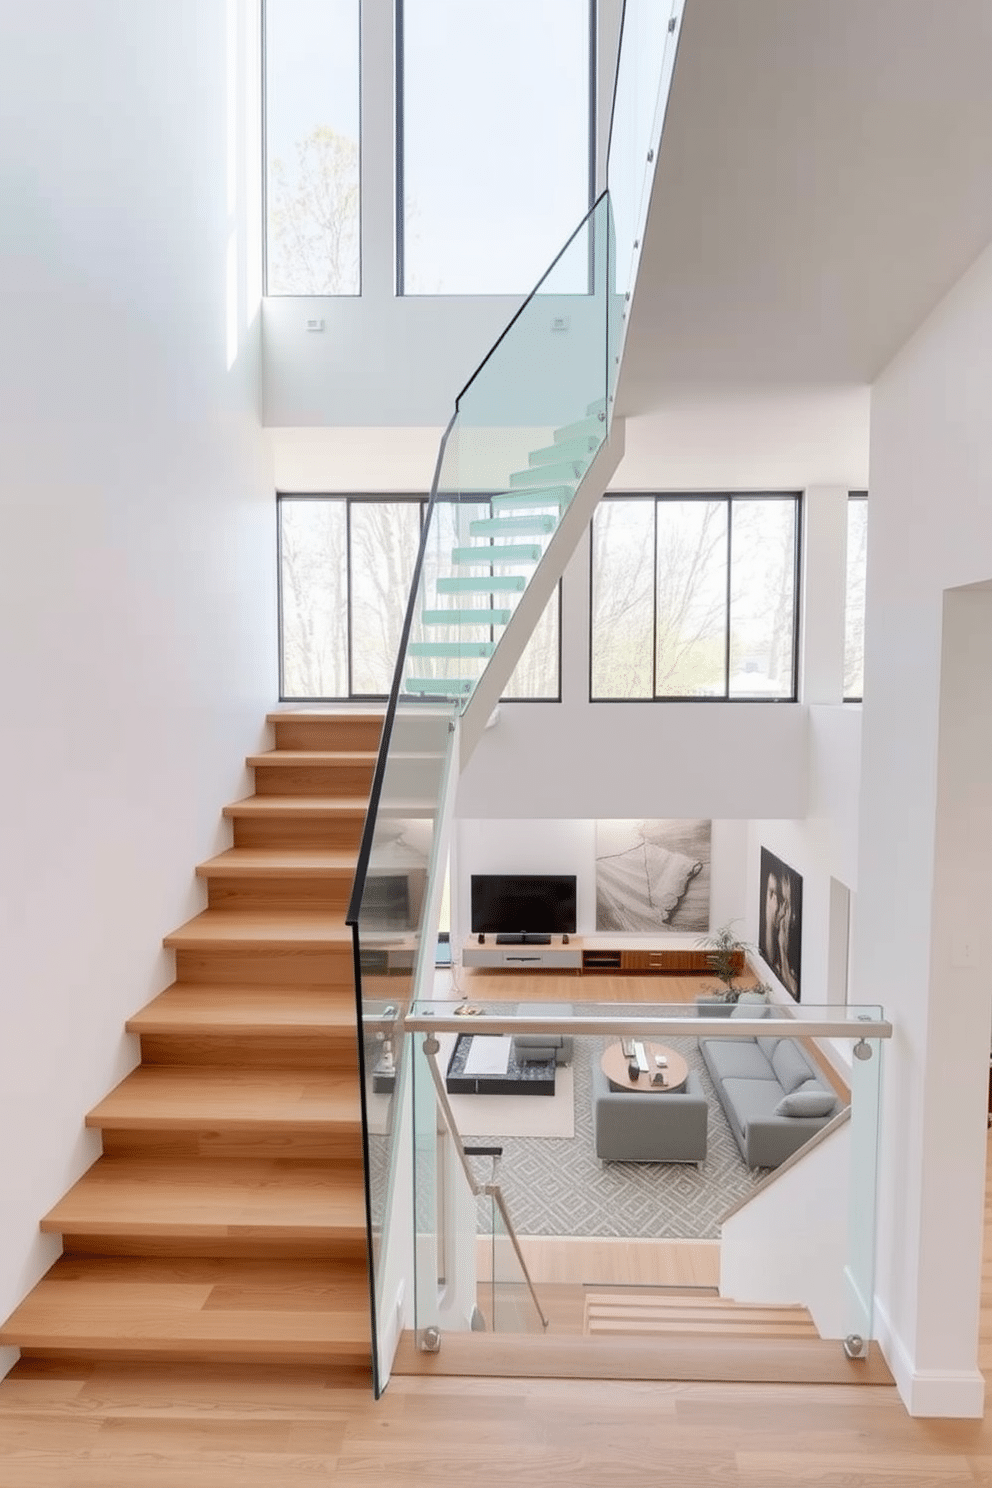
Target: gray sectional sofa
[{"x": 772, "y": 1092}]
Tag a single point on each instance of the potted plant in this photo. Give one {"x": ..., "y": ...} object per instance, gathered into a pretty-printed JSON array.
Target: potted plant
[{"x": 727, "y": 955}]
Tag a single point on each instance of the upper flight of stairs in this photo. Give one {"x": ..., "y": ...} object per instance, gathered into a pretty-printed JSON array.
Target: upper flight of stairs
[{"x": 225, "y": 1219}]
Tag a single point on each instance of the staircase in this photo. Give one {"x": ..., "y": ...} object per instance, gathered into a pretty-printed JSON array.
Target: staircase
[
  {"x": 482, "y": 564},
  {"x": 660, "y": 1313},
  {"x": 225, "y": 1220}
]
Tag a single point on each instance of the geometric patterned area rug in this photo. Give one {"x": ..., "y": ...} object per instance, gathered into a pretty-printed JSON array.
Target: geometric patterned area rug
[{"x": 559, "y": 1187}]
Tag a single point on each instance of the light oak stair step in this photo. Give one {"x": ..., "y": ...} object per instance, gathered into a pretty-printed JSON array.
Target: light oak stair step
[
  {"x": 251, "y": 1012},
  {"x": 291, "y": 759},
  {"x": 292, "y": 821},
  {"x": 276, "y": 1026},
  {"x": 305, "y": 729},
  {"x": 249, "y": 878},
  {"x": 262, "y": 930},
  {"x": 264, "y": 946},
  {"x": 219, "y": 1310},
  {"x": 253, "y": 1207},
  {"x": 275, "y": 862},
  {"x": 173, "y": 1098},
  {"x": 313, "y": 772},
  {"x": 613, "y": 1313}
]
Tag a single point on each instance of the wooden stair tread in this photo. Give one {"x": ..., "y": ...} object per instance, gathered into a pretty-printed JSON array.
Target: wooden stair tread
[
  {"x": 679, "y": 1301},
  {"x": 189, "y": 1007},
  {"x": 261, "y": 929},
  {"x": 200, "y": 1308},
  {"x": 295, "y": 806},
  {"x": 294, "y": 758},
  {"x": 157, "y": 1196},
  {"x": 280, "y": 862},
  {"x": 616, "y": 1313},
  {"x": 326, "y": 715},
  {"x": 180, "y": 1098}
]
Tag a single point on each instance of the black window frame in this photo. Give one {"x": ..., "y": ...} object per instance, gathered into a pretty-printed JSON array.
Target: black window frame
[
  {"x": 399, "y": 173},
  {"x": 350, "y": 499},
  {"x": 264, "y": 144},
  {"x": 657, "y": 498}
]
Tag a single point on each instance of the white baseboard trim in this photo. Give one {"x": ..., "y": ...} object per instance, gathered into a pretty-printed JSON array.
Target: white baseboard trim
[{"x": 955, "y": 1393}]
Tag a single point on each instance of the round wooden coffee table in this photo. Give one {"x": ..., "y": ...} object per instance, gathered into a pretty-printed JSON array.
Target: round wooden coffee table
[{"x": 675, "y": 1069}]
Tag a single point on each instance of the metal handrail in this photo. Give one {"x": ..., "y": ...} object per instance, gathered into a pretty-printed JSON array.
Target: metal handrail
[
  {"x": 785, "y": 1027},
  {"x": 490, "y": 1190}
]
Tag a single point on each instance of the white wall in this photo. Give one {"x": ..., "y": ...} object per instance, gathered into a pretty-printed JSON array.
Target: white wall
[
  {"x": 789, "y": 1243},
  {"x": 546, "y": 846},
  {"x": 924, "y": 808},
  {"x": 820, "y": 846},
  {"x": 136, "y": 568}
]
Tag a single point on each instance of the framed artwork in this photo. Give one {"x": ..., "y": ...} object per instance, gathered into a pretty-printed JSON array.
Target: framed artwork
[
  {"x": 780, "y": 920},
  {"x": 653, "y": 875}
]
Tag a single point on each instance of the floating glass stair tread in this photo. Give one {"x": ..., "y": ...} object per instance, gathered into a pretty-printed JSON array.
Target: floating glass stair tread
[
  {"x": 594, "y": 424},
  {"x": 598, "y": 405},
  {"x": 501, "y": 553},
  {"x": 466, "y": 617},
  {"x": 568, "y": 470},
  {"x": 446, "y": 686},
  {"x": 569, "y": 449},
  {"x": 538, "y": 496},
  {"x": 487, "y": 584},
  {"x": 457, "y": 649},
  {"x": 510, "y": 526}
]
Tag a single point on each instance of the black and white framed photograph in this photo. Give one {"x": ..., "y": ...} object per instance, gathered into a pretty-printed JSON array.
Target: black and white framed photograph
[
  {"x": 653, "y": 875},
  {"x": 780, "y": 920}
]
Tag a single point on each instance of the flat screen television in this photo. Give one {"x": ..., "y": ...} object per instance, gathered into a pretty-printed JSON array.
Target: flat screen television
[{"x": 523, "y": 903}]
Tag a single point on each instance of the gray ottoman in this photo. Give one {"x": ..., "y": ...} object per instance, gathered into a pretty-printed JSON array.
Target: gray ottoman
[
  {"x": 537, "y": 1048},
  {"x": 649, "y": 1126}
]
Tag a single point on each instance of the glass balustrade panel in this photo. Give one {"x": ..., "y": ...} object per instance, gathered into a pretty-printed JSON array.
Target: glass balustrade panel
[
  {"x": 394, "y": 914},
  {"x": 527, "y": 428},
  {"x": 646, "y": 59},
  {"x": 626, "y": 1137}
]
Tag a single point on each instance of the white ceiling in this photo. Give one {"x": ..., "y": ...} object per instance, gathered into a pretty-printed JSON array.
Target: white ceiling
[{"x": 825, "y": 177}]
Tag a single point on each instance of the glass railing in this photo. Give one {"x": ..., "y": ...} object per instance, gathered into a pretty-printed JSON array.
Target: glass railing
[
  {"x": 586, "y": 1145},
  {"x": 648, "y": 44},
  {"x": 526, "y": 429},
  {"x": 394, "y": 915}
]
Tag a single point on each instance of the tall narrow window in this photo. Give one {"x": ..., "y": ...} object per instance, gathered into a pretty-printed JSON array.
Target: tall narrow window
[
  {"x": 694, "y": 597},
  {"x": 854, "y": 607},
  {"x": 495, "y": 141},
  {"x": 312, "y": 134}
]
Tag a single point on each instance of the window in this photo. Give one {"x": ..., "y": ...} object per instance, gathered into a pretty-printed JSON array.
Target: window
[
  {"x": 346, "y": 566},
  {"x": 694, "y": 597},
  {"x": 495, "y": 141},
  {"x": 312, "y": 133},
  {"x": 854, "y": 604}
]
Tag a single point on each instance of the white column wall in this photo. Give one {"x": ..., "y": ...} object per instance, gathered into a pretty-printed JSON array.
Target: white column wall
[
  {"x": 930, "y": 521},
  {"x": 137, "y": 644}
]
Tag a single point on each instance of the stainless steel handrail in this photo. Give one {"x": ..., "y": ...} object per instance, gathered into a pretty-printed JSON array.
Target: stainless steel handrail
[
  {"x": 786, "y": 1027},
  {"x": 490, "y": 1190}
]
